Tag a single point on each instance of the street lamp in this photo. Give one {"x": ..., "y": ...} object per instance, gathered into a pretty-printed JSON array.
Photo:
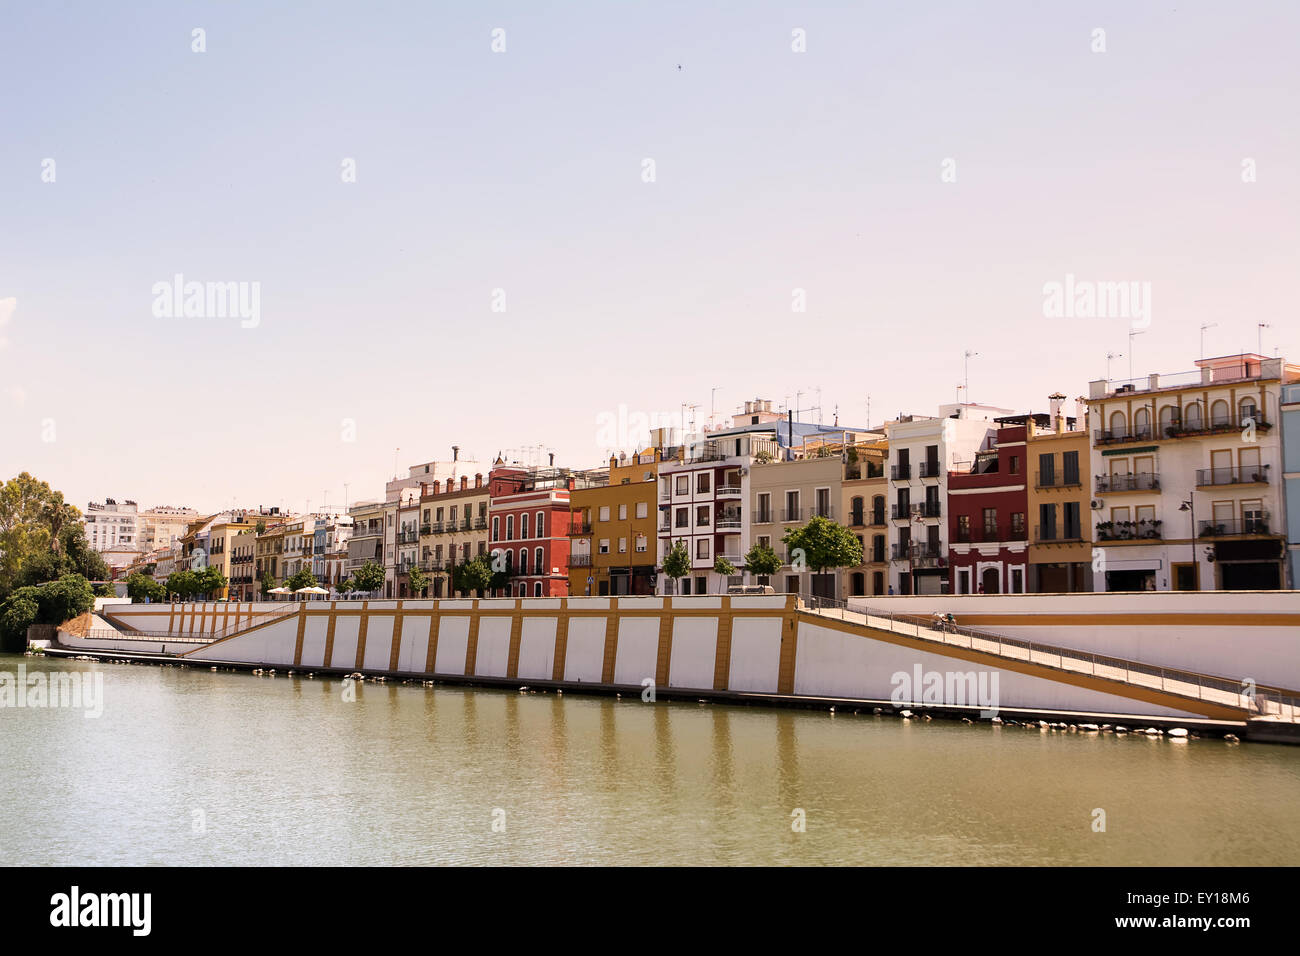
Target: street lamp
[{"x": 1190, "y": 506}]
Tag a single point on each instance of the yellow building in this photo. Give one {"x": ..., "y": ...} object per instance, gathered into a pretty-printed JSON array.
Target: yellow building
[
  {"x": 613, "y": 529},
  {"x": 1060, "y": 545},
  {"x": 865, "y": 492},
  {"x": 269, "y": 558}
]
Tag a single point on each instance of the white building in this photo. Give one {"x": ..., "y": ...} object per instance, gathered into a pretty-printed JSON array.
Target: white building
[
  {"x": 111, "y": 525},
  {"x": 922, "y": 450},
  {"x": 164, "y": 525},
  {"x": 1187, "y": 477}
]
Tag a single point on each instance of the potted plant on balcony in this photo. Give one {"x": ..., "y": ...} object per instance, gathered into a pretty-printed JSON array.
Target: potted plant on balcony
[{"x": 1104, "y": 529}]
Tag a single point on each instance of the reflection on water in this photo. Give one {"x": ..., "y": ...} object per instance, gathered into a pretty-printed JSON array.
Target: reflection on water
[{"x": 191, "y": 767}]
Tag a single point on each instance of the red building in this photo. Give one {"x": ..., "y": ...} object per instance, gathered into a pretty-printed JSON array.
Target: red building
[
  {"x": 528, "y": 521},
  {"x": 988, "y": 549}
]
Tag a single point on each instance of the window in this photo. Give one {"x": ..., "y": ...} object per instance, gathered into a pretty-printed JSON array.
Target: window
[
  {"x": 510, "y": 527},
  {"x": 1118, "y": 423},
  {"x": 1219, "y": 414},
  {"x": 1192, "y": 416},
  {"x": 702, "y": 548},
  {"x": 990, "y": 524},
  {"x": 764, "y": 507},
  {"x": 683, "y": 484},
  {"x": 523, "y": 560},
  {"x": 539, "y": 561},
  {"x": 702, "y": 482},
  {"x": 1017, "y": 524},
  {"x": 1070, "y": 460},
  {"x": 622, "y": 512},
  {"x": 1247, "y": 409},
  {"x": 496, "y": 527},
  {"x": 791, "y": 506},
  {"x": 642, "y": 509},
  {"x": 537, "y": 589},
  {"x": 640, "y": 543},
  {"x": 604, "y": 546},
  {"x": 1015, "y": 464},
  {"x": 1046, "y": 470},
  {"x": 1073, "y": 529},
  {"x": 604, "y": 513},
  {"x": 963, "y": 527},
  {"x": 682, "y": 518},
  {"x": 824, "y": 502},
  {"x": 1047, "y": 522},
  {"x": 523, "y": 524},
  {"x": 702, "y": 516},
  {"x": 539, "y": 526},
  {"x": 622, "y": 545}
]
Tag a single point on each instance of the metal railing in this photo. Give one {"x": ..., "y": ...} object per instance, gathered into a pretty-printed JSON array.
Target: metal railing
[
  {"x": 1233, "y": 526},
  {"x": 1141, "y": 481},
  {"x": 1256, "y": 701},
  {"x": 1232, "y": 476}
]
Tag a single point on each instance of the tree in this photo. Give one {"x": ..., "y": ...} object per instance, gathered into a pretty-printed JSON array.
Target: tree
[
  {"x": 267, "y": 582},
  {"x": 473, "y": 576},
  {"x": 368, "y": 577},
  {"x": 56, "y": 602},
  {"x": 303, "y": 579},
  {"x": 723, "y": 567},
  {"x": 184, "y": 584},
  {"x": 418, "y": 580},
  {"x": 824, "y": 544},
  {"x": 141, "y": 588},
  {"x": 41, "y": 537},
  {"x": 677, "y": 563},
  {"x": 762, "y": 561},
  {"x": 211, "y": 581}
]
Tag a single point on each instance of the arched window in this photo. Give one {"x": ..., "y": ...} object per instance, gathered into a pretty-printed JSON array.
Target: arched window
[
  {"x": 538, "y": 563},
  {"x": 1192, "y": 416},
  {"x": 1247, "y": 409},
  {"x": 878, "y": 509},
  {"x": 1141, "y": 423},
  {"x": 539, "y": 525},
  {"x": 523, "y": 525},
  {"x": 523, "y": 560},
  {"x": 1220, "y": 414},
  {"x": 856, "y": 508},
  {"x": 510, "y": 527},
  {"x": 1118, "y": 423},
  {"x": 510, "y": 561},
  {"x": 537, "y": 589},
  {"x": 496, "y": 529},
  {"x": 1168, "y": 419}
]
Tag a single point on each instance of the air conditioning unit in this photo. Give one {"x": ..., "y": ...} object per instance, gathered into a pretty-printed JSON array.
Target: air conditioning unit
[{"x": 1098, "y": 504}]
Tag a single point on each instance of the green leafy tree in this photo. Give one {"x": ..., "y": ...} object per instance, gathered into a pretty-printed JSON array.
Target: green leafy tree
[
  {"x": 823, "y": 544},
  {"x": 474, "y": 576},
  {"x": 184, "y": 584},
  {"x": 677, "y": 562},
  {"x": 762, "y": 561},
  {"x": 17, "y": 614},
  {"x": 303, "y": 579},
  {"x": 418, "y": 580},
  {"x": 55, "y": 602},
  {"x": 368, "y": 577},
  {"x": 140, "y": 588},
  {"x": 723, "y": 567},
  {"x": 267, "y": 582},
  {"x": 211, "y": 581}
]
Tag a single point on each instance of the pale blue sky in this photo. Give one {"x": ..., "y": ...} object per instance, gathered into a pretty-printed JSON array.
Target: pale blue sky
[{"x": 522, "y": 171}]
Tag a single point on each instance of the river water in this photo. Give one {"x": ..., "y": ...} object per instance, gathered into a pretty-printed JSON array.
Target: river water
[{"x": 190, "y": 767}]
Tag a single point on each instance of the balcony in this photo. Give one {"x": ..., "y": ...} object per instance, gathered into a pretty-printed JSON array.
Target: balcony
[
  {"x": 579, "y": 528},
  {"x": 728, "y": 522},
  {"x": 791, "y": 514},
  {"x": 1145, "y": 530},
  {"x": 928, "y": 469},
  {"x": 1215, "y": 477},
  {"x": 900, "y": 472},
  {"x": 579, "y": 560},
  {"x": 901, "y": 512},
  {"x": 857, "y": 519},
  {"x": 1114, "y": 484},
  {"x": 763, "y": 517},
  {"x": 480, "y": 523},
  {"x": 1051, "y": 479},
  {"x": 426, "y": 529},
  {"x": 1216, "y": 425},
  {"x": 991, "y": 534},
  {"x": 1233, "y": 527},
  {"x": 435, "y": 527},
  {"x": 917, "y": 553},
  {"x": 737, "y": 561},
  {"x": 729, "y": 491},
  {"x": 408, "y": 537},
  {"x": 827, "y": 512},
  {"x": 1054, "y": 535}
]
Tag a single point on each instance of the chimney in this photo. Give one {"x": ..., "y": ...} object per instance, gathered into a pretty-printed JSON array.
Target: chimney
[
  {"x": 1058, "y": 420},
  {"x": 437, "y": 487},
  {"x": 455, "y": 452},
  {"x": 464, "y": 482},
  {"x": 552, "y": 457},
  {"x": 478, "y": 480}
]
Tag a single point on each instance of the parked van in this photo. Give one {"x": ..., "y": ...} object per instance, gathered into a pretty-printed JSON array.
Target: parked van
[{"x": 750, "y": 589}]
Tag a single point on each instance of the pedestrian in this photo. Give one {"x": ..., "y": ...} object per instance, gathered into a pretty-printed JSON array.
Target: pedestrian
[{"x": 891, "y": 590}]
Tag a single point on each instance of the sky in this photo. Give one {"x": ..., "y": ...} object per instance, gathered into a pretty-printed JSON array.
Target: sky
[{"x": 453, "y": 244}]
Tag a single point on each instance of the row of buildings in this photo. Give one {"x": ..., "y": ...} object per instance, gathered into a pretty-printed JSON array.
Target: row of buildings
[{"x": 1174, "y": 482}]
